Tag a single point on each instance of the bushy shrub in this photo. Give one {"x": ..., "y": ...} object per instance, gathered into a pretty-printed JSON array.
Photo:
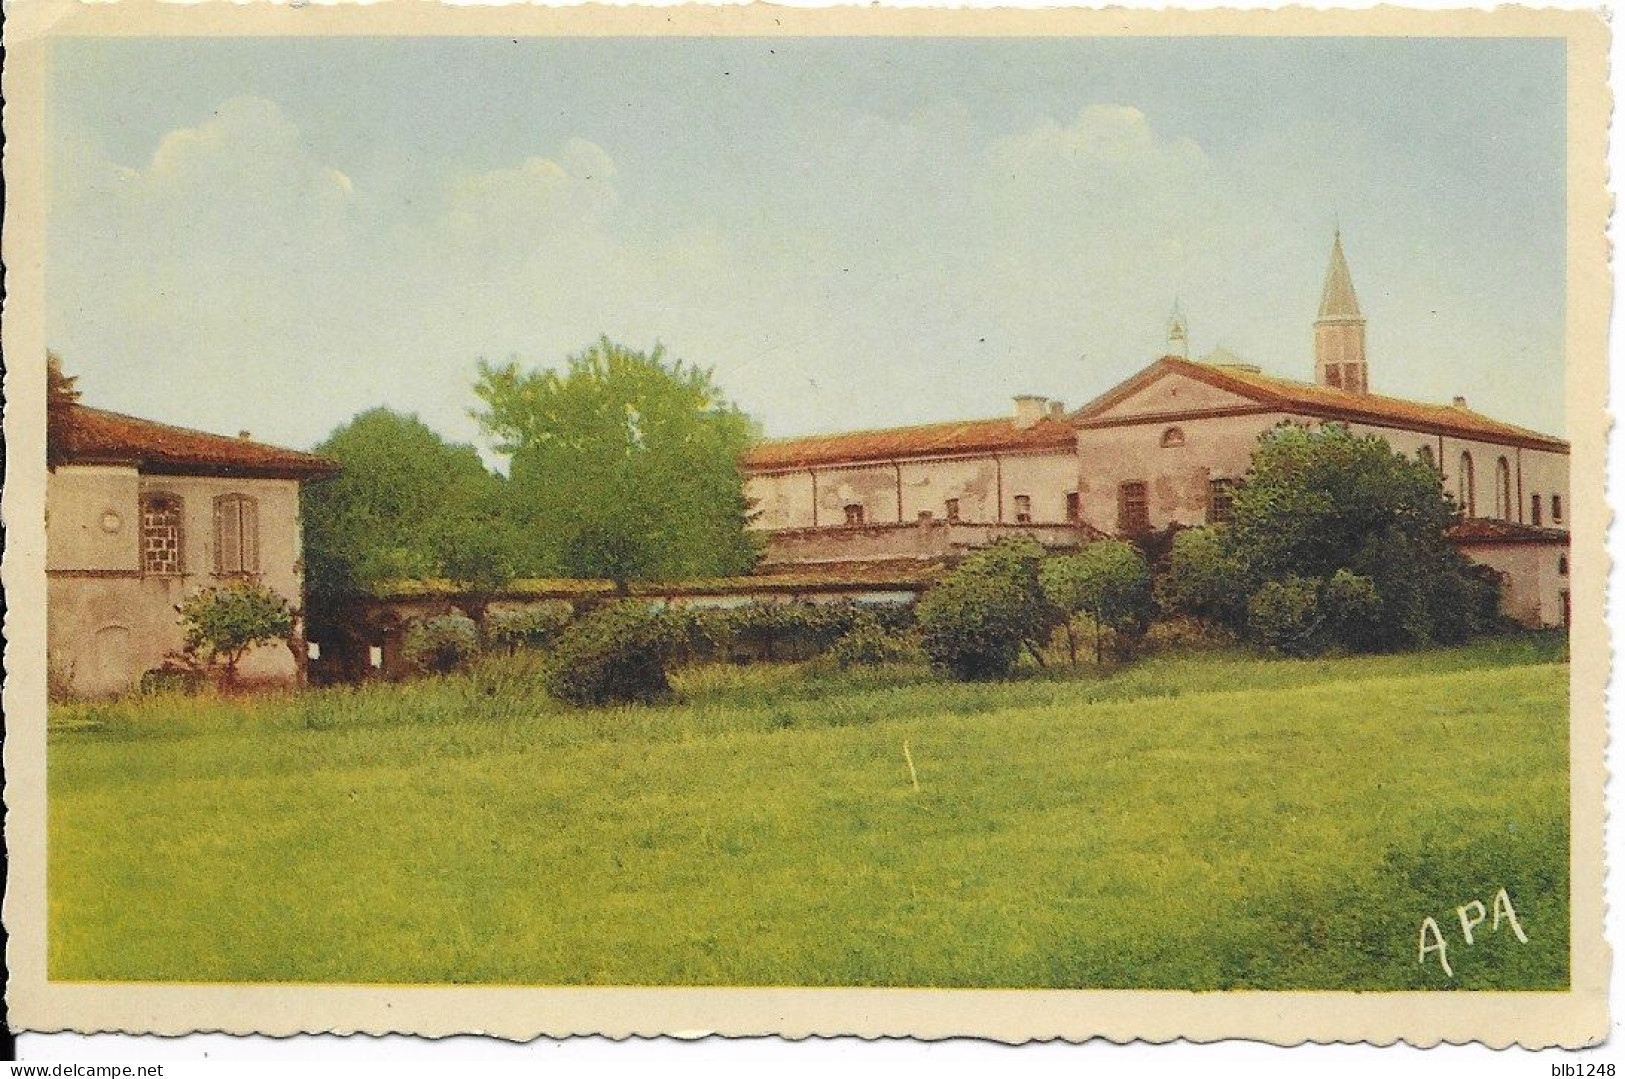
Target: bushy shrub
[
  {"x": 1347, "y": 517},
  {"x": 530, "y": 627},
  {"x": 775, "y": 629},
  {"x": 1204, "y": 577},
  {"x": 896, "y": 617},
  {"x": 224, "y": 624},
  {"x": 975, "y": 622},
  {"x": 794, "y": 629},
  {"x": 1320, "y": 500},
  {"x": 870, "y": 644},
  {"x": 1353, "y": 611},
  {"x": 619, "y": 652},
  {"x": 1286, "y": 616},
  {"x": 441, "y": 644},
  {"x": 698, "y": 633},
  {"x": 1466, "y": 600},
  {"x": 1109, "y": 583}
]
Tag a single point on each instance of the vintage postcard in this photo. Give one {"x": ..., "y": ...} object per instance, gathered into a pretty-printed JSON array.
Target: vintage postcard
[{"x": 1014, "y": 524}]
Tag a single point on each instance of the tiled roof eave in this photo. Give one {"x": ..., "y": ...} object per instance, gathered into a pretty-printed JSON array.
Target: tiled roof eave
[
  {"x": 1375, "y": 418},
  {"x": 84, "y": 435},
  {"x": 1283, "y": 399},
  {"x": 159, "y": 467},
  {"x": 764, "y": 460}
]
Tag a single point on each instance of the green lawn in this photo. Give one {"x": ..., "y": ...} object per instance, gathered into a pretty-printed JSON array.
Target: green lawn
[{"x": 1205, "y": 821}]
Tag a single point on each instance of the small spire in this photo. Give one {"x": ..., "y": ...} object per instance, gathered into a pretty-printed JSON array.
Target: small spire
[
  {"x": 1179, "y": 343},
  {"x": 1337, "y": 300}
]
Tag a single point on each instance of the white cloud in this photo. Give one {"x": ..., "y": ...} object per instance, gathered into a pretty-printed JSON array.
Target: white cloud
[{"x": 874, "y": 271}]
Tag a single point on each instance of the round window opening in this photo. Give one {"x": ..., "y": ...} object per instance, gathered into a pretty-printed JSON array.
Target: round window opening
[{"x": 111, "y": 522}]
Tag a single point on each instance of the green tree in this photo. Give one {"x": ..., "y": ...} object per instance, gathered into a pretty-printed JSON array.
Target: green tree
[
  {"x": 976, "y": 621},
  {"x": 1110, "y": 582},
  {"x": 1204, "y": 577},
  {"x": 223, "y": 624},
  {"x": 1320, "y": 503},
  {"x": 406, "y": 504},
  {"x": 624, "y": 465}
]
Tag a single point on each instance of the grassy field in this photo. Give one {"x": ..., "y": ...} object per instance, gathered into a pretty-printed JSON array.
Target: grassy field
[{"x": 1196, "y": 822}]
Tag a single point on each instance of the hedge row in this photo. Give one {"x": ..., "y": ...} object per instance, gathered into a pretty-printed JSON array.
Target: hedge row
[{"x": 595, "y": 657}]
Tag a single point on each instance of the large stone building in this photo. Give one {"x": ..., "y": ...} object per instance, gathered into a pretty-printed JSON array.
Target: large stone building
[
  {"x": 140, "y": 515},
  {"x": 1164, "y": 447}
]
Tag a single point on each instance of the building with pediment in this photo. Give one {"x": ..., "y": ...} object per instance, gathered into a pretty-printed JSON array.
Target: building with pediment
[{"x": 1166, "y": 446}]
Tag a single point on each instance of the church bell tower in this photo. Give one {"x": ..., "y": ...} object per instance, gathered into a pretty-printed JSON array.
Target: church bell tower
[{"x": 1340, "y": 329}]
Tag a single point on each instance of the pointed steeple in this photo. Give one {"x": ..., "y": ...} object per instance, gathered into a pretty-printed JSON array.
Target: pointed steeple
[
  {"x": 1340, "y": 328},
  {"x": 1337, "y": 299},
  {"x": 1179, "y": 342}
]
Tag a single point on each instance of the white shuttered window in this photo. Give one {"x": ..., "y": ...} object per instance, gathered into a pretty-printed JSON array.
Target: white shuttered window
[{"x": 236, "y": 535}]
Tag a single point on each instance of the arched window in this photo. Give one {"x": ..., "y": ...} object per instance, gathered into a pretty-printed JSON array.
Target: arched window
[
  {"x": 1464, "y": 486},
  {"x": 1503, "y": 489},
  {"x": 1173, "y": 437},
  {"x": 236, "y": 535},
  {"x": 854, "y": 513},
  {"x": 161, "y": 534},
  {"x": 1426, "y": 454}
]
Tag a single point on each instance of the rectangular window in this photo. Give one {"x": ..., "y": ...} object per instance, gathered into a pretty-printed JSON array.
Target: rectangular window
[
  {"x": 1220, "y": 495},
  {"x": 952, "y": 507},
  {"x": 1334, "y": 376},
  {"x": 161, "y": 534},
  {"x": 1557, "y": 509},
  {"x": 1133, "y": 510},
  {"x": 1534, "y": 510},
  {"x": 1024, "y": 510},
  {"x": 854, "y": 514},
  {"x": 1074, "y": 507},
  {"x": 236, "y": 535}
]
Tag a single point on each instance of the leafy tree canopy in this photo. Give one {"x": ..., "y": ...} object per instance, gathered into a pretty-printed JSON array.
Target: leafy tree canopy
[
  {"x": 405, "y": 504},
  {"x": 977, "y": 620},
  {"x": 1348, "y": 536},
  {"x": 624, "y": 465},
  {"x": 1109, "y": 581},
  {"x": 1324, "y": 499}
]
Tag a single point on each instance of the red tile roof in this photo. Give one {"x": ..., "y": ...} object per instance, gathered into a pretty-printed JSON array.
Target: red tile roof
[
  {"x": 78, "y": 434},
  {"x": 1326, "y": 402},
  {"x": 926, "y": 440},
  {"x": 1489, "y": 530}
]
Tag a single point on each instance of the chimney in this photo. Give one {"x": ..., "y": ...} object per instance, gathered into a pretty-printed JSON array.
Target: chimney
[
  {"x": 1029, "y": 410},
  {"x": 1057, "y": 410},
  {"x": 1458, "y": 401},
  {"x": 244, "y": 434}
]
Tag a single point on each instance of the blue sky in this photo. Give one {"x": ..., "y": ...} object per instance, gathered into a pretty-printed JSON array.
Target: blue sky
[{"x": 274, "y": 234}]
